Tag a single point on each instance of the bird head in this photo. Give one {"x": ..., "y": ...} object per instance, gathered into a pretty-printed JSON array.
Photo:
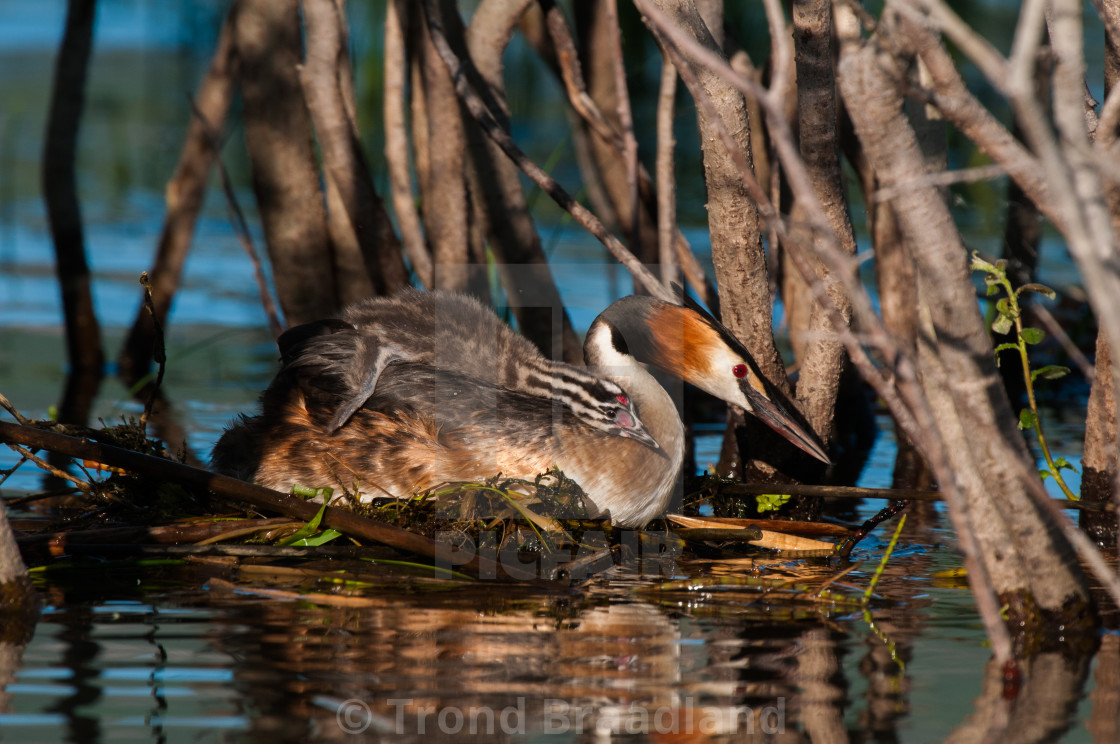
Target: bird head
[{"x": 685, "y": 340}]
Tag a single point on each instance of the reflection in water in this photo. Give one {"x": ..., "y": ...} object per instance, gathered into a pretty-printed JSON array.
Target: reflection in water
[
  {"x": 521, "y": 667},
  {"x": 611, "y": 660},
  {"x": 1104, "y": 721},
  {"x": 1041, "y": 710}
]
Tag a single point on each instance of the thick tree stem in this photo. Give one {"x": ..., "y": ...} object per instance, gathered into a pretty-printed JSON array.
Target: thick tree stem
[
  {"x": 1030, "y": 561},
  {"x": 285, "y": 176}
]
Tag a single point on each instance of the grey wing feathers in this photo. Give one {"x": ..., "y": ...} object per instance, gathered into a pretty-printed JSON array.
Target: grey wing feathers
[
  {"x": 451, "y": 331},
  {"x": 338, "y": 362},
  {"x": 335, "y": 365},
  {"x": 455, "y": 402}
]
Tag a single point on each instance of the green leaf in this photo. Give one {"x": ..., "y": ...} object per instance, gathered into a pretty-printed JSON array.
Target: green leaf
[
  {"x": 1062, "y": 463},
  {"x": 1041, "y": 289},
  {"x": 1002, "y": 325},
  {"x": 308, "y": 493},
  {"x": 1006, "y": 309},
  {"x": 1007, "y": 347},
  {"x": 1044, "y": 474},
  {"x": 1027, "y": 418},
  {"x": 1033, "y": 335},
  {"x": 979, "y": 264},
  {"x": 1050, "y": 372},
  {"x": 993, "y": 288},
  {"x": 322, "y": 538},
  {"x": 307, "y": 530},
  {"x": 771, "y": 501}
]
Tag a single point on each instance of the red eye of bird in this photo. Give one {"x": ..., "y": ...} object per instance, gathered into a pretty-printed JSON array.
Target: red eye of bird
[
  {"x": 739, "y": 370},
  {"x": 622, "y": 399}
]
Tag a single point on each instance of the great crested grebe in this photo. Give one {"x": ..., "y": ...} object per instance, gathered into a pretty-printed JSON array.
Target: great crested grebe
[{"x": 427, "y": 421}]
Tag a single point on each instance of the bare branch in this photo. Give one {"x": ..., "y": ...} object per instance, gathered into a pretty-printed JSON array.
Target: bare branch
[
  {"x": 7, "y": 406},
  {"x": 445, "y": 196},
  {"x": 974, "y": 46},
  {"x": 183, "y": 196},
  {"x": 493, "y": 130},
  {"x": 784, "y": 75},
  {"x": 943, "y": 178},
  {"x": 567, "y": 59},
  {"x": 1047, "y": 320},
  {"x": 64, "y": 216},
  {"x": 666, "y": 178},
  {"x": 241, "y": 227},
  {"x": 914, "y": 416},
  {"x": 1109, "y": 121},
  {"x": 734, "y": 223},
  {"x": 367, "y": 253},
  {"x": 1075, "y": 177},
  {"x": 952, "y": 98},
  {"x": 80, "y": 484},
  {"x": 278, "y": 137},
  {"x": 396, "y": 142},
  {"x": 822, "y": 363},
  {"x": 626, "y": 123},
  {"x": 1029, "y": 35},
  {"x": 498, "y": 196}
]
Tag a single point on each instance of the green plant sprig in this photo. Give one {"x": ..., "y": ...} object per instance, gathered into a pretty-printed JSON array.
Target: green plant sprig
[
  {"x": 865, "y": 600},
  {"x": 1008, "y": 316}
]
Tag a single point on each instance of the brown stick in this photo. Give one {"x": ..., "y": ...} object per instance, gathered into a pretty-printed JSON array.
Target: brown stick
[
  {"x": 626, "y": 123},
  {"x": 734, "y": 219},
  {"x": 444, "y": 196},
  {"x": 46, "y": 466},
  {"x": 568, "y": 66},
  {"x": 396, "y": 142},
  {"x": 666, "y": 173},
  {"x": 824, "y": 358},
  {"x": 367, "y": 251},
  {"x": 183, "y": 196},
  {"x": 548, "y": 184},
  {"x": 856, "y": 492},
  {"x": 241, "y": 230},
  {"x": 83, "y": 333},
  {"x": 498, "y": 196},
  {"x": 42, "y": 546},
  {"x": 223, "y": 485},
  {"x": 278, "y": 137},
  {"x": 343, "y": 552}
]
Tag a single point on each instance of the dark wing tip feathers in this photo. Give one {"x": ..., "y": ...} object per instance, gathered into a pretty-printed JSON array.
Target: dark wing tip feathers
[
  {"x": 320, "y": 357},
  {"x": 295, "y": 342}
]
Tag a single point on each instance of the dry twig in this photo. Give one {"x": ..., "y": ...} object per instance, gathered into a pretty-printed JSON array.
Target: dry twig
[
  {"x": 547, "y": 183},
  {"x": 240, "y": 226}
]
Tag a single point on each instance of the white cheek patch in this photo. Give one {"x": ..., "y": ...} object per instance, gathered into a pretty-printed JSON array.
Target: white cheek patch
[
  {"x": 607, "y": 355},
  {"x": 722, "y": 381}
]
